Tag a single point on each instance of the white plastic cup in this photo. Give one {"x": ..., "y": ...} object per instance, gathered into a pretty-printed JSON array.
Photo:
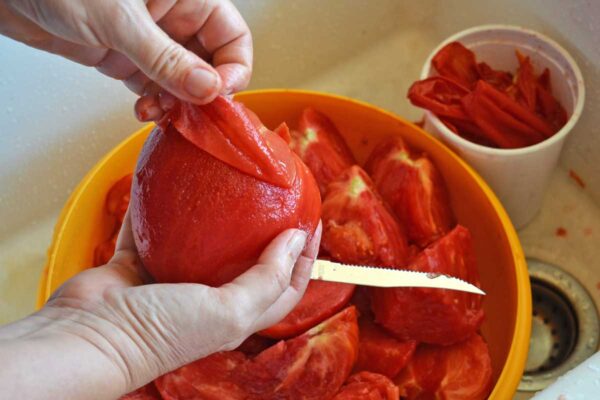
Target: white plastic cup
[{"x": 518, "y": 176}]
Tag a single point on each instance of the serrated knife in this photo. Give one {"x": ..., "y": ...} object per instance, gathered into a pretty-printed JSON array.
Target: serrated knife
[{"x": 385, "y": 277}]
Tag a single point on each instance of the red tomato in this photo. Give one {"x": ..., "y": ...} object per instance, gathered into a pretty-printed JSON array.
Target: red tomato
[
  {"x": 434, "y": 316},
  {"x": 117, "y": 199},
  {"x": 148, "y": 392},
  {"x": 320, "y": 301},
  {"x": 255, "y": 344},
  {"x": 321, "y": 147},
  {"x": 380, "y": 352},
  {"x": 211, "y": 189},
  {"x": 104, "y": 251},
  {"x": 357, "y": 226},
  {"x": 210, "y": 378},
  {"x": 459, "y": 372},
  {"x": 311, "y": 366},
  {"x": 414, "y": 189},
  {"x": 368, "y": 386}
]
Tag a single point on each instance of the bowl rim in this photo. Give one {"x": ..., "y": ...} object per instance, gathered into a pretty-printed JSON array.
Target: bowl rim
[
  {"x": 557, "y": 137},
  {"x": 508, "y": 380}
]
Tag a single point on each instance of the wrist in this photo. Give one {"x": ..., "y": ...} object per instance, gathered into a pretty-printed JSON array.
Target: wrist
[{"x": 59, "y": 358}]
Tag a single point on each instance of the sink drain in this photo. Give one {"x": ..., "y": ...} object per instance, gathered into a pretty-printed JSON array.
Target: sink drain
[{"x": 564, "y": 326}]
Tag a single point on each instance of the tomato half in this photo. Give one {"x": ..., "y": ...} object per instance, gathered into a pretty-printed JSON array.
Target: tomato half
[
  {"x": 380, "y": 352},
  {"x": 462, "y": 371},
  {"x": 357, "y": 226},
  {"x": 320, "y": 145},
  {"x": 414, "y": 189},
  {"x": 368, "y": 386},
  {"x": 320, "y": 301},
  {"x": 147, "y": 392},
  {"x": 434, "y": 316}
]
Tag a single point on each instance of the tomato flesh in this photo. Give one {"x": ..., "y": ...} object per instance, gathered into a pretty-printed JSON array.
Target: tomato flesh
[
  {"x": 368, "y": 386},
  {"x": 461, "y": 371},
  {"x": 147, "y": 392},
  {"x": 357, "y": 226},
  {"x": 414, "y": 189},
  {"x": 435, "y": 316},
  {"x": 320, "y": 145},
  {"x": 320, "y": 301}
]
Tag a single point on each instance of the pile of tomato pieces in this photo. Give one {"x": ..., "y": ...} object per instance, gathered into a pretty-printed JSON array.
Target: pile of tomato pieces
[
  {"x": 352, "y": 342},
  {"x": 489, "y": 107}
]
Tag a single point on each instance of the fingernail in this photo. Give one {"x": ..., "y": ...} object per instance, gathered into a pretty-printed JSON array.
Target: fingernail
[
  {"x": 296, "y": 243},
  {"x": 167, "y": 100},
  {"x": 151, "y": 113},
  {"x": 201, "y": 82}
]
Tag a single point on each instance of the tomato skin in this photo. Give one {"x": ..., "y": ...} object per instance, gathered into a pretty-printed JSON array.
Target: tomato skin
[
  {"x": 312, "y": 366},
  {"x": 434, "y": 316},
  {"x": 414, "y": 189},
  {"x": 147, "y": 392},
  {"x": 196, "y": 218},
  {"x": 320, "y": 145},
  {"x": 462, "y": 371},
  {"x": 357, "y": 226},
  {"x": 369, "y": 386},
  {"x": 380, "y": 352},
  {"x": 320, "y": 301}
]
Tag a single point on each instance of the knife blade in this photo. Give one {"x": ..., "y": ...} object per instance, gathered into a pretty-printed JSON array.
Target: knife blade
[{"x": 387, "y": 277}]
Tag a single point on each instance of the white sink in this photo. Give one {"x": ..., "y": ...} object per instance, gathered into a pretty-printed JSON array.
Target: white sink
[{"x": 57, "y": 119}]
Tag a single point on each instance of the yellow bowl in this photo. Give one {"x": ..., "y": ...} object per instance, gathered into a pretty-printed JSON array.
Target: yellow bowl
[{"x": 83, "y": 223}]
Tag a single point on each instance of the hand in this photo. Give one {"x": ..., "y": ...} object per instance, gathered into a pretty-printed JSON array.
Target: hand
[
  {"x": 148, "y": 44},
  {"x": 143, "y": 331}
]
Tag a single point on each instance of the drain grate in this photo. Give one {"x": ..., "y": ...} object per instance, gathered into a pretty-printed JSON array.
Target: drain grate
[{"x": 565, "y": 328}]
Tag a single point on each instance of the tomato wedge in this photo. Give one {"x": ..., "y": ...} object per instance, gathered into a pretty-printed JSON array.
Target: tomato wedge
[
  {"x": 320, "y": 145},
  {"x": 368, "y": 386},
  {"x": 117, "y": 199},
  {"x": 434, "y": 316},
  {"x": 320, "y": 301},
  {"x": 461, "y": 371},
  {"x": 147, "y": 392},
  {"x": 414, "y": 189},
  {"x": 255, "y": 344},
  {"x": 357, "y": 226},
  {"x": 380, "y": 352},
  {"x": 311, "y": 366},
  {"x": 210, "y": 378}
]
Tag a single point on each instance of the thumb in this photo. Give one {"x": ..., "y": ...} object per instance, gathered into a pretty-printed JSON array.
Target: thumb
[{"x": 166, "y": 62}]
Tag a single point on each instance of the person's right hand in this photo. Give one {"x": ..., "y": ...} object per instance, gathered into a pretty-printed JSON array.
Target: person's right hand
[{"x": 193, "y": 49}]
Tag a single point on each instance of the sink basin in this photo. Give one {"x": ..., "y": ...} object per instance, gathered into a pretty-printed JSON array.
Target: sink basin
[{"x": 57, "y": 118}]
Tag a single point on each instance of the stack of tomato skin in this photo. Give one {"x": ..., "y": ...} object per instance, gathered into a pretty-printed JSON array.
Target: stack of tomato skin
[
  {"x": 489, "y": 107},
  {"x": 342, "y": 342}
]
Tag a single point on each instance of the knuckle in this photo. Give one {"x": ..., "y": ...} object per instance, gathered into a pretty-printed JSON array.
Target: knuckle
[{"x": 167, "y": 61}]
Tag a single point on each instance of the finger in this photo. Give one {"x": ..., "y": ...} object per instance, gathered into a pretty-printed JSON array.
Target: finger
[
  {"x": 292, "y": 295},
  {"x": 137, "y": 83},
  {"x": 116, "y": 65},
  {"x": 258, "y": 288},
  {"x": 167, "y": 62},
  {"x": 227, "y": 37},
  {"x": 147, "y": 108}
]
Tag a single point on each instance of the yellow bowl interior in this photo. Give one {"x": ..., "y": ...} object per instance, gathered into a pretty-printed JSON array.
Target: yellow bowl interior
[{"x": 83, "y": 223}]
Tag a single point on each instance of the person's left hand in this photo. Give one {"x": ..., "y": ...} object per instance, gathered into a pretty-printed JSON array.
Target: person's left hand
[
  {"x": 192, "y": 49},
  {"x": 146, "y": 330}
]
